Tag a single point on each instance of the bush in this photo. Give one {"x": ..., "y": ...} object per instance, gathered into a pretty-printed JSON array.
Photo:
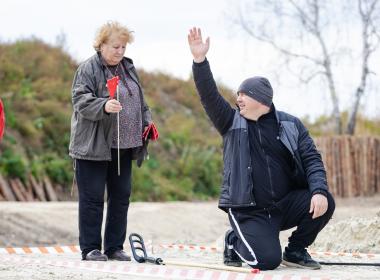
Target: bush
[
  {"x": 13, "y": 165},
  {"x": 58, "y": 169}
]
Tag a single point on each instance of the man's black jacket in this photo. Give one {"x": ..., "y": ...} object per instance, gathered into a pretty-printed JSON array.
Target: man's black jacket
[{"x": 237, "y": 187}]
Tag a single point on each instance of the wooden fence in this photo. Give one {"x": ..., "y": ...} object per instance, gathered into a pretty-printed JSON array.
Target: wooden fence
[
  {"x": 14, "y": 189},
  {"x": 352, "y": 164}
]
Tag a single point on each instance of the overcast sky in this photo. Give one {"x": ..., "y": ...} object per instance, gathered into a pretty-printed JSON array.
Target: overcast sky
[{"x": 161, "y": 28}]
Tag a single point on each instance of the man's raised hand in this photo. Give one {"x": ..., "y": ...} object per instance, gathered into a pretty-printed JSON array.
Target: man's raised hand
[{"x": 198, "y": 48}]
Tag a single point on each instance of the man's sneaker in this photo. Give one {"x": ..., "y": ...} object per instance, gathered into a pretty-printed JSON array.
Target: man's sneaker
[
  {"x": 120, "y": 255},
  {"x": 95, "y": 255},
  {"x": 299, "y": 258},
  {"x": 230, "y": 258}
]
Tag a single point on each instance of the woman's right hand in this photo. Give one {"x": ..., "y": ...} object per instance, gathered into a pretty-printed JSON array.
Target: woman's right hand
[
  {"x": 112, "y": 106},
  {"x": 198, "y": 48}
]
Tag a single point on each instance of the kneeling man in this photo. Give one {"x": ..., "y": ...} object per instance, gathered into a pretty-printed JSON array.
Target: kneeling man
[{"x": 273, "y": 176}]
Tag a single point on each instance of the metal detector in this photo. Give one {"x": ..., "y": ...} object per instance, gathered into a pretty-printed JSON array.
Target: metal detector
[
  {"x": 139, "y": 254},
  {"x": 139, "y": 251}
]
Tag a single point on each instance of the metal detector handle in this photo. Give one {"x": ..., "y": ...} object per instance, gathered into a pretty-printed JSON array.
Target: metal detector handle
[{"x": 137, "y": 245}]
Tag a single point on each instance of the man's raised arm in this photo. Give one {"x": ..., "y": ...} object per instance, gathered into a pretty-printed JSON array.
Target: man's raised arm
[{"x": 217, "y": 108}]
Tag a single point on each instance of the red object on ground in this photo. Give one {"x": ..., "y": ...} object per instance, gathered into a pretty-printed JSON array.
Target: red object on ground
[
  {"x": 2, "y": 120},
  {"x": 112, "y": 85},
  {"x": 151, "y": 132}
]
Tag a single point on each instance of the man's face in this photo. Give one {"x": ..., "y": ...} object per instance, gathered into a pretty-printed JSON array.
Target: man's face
[{"x": 247, "y": 104}]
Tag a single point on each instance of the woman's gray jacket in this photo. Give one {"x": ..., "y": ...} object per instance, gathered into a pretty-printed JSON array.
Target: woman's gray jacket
[{"x": 91, "y": 126}]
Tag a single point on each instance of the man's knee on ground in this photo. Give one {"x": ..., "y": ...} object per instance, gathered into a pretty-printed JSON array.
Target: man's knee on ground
[{"x": 269, "y": 261}]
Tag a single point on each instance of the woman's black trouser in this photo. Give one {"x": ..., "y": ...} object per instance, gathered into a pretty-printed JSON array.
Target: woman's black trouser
[
  {"x": 92, "y": 179},
  {"x": 256, "y": 232}
]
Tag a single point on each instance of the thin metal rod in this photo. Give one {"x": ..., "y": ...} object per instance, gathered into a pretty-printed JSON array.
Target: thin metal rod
[
  {"x": 212, "y": 266},
  {"x": 118, "y": 134},
  {"x": 350, "y": 263}
]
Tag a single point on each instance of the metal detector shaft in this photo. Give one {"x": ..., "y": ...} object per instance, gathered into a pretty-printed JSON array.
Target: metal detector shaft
[
  {"x": 212, "y": 266},
  {"x": 154, "y": 260},
  {"x": 118, "y": 134}
]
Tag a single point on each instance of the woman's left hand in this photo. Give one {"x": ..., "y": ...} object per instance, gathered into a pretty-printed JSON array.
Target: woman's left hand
[{"x": 145, "y": 131}]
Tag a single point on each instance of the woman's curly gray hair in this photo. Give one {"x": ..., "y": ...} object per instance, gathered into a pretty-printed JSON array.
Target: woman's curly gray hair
[{"x": 112, "y": 27}]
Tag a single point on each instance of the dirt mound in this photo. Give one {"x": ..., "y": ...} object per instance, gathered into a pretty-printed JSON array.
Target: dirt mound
[{"x": 351, "y": 235}]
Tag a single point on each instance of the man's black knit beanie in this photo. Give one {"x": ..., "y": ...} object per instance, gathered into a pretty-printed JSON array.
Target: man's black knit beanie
[{"x": 258, "y": 88}]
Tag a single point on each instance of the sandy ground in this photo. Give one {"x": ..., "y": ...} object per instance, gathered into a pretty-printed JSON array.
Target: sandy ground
[{"x": 354, "y": 227}]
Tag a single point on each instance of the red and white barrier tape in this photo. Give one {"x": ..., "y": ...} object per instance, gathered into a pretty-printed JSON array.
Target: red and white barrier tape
[
  {"x": 345, "y": 254},
  {"x": 165, "y": 272},
  {"x": 40, "y": 250},
  {"x": 181, "y": 247},
  {"x": 178, "y": 247}
]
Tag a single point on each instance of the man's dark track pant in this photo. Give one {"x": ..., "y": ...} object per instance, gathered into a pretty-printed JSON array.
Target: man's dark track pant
[
  {"x": 256, "y": 233},
  {"x": 92, "y": 178}
]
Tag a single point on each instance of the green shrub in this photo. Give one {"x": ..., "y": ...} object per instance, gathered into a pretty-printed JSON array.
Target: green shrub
[
  {"x": 13, "y": 165},
  {"x": 58, "y": 169}
]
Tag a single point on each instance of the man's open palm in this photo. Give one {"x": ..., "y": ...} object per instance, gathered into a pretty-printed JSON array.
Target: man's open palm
[{"x": 198, "y": 48}]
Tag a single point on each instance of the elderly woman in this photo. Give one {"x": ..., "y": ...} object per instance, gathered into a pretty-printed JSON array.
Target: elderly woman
[{"x": 94, "y": 143}]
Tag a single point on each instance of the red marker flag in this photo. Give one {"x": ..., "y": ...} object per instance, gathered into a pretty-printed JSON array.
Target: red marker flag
[
  {"x": 112, "y": 85},
  {"x": 2, "y": 120}
]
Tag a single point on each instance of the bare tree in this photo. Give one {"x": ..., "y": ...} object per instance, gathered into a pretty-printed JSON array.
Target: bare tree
[
  {"x": 306, "y": 32},
  {"x": 369, "y": 13}
]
